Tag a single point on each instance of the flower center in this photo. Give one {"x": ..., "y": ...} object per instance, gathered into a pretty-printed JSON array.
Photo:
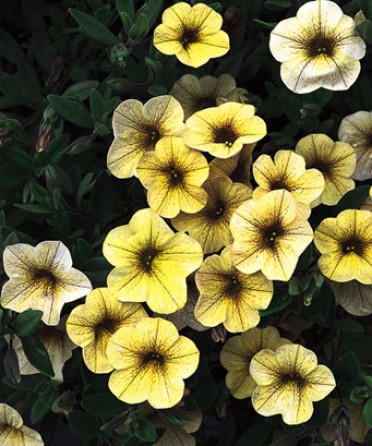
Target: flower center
[
  {"x": 147, "y": 258},
  {"x": 175, "y": 176},
  {"x": 106, "y": 327},
  {"x": 321, "y": 166},
  {"x": 153, "y": 357},
  {"x": 188, "y": 37},
  {"x": 352, "y": 245},
  {"x": 225, "y": 135},
  {"x": 233, "y": 287},
  {"x": 271, "y": 234},
  {"x": 293, "y": 378},
  {"x": 45, "y": 277},
  {"x": 320, "y": 45},
  {"x": 280, "y": 184},
  {"x": 202, "y": 103},
  {"x": 153, "y": 136}
]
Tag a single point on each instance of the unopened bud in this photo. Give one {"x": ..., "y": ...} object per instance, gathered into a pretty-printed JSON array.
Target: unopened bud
[
  {"x": 44, "y": 137},
  {"x": 219, "y": 333},
  {"x": 119, "y": 54},
  {"x": 58, "y": 66},
  {"x": 11, "y": 365}
]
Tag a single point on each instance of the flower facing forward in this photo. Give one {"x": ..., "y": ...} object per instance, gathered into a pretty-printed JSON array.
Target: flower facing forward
[
  {"x": 192, "y": 33},
  {"x": 288, "y": 381},
  {"x": 237, "y": 353},
  {"x": 222, "y": 131},
  {"x": 356, "y": 129},
  {"x": 269, "y": 235},
  {"x": 210, "y": 226},
  {"x": 92, "y": 324},
  {"x": 228, "y": 296},
  {"x": 41, "y": 278},
  {"x": 151, "y": 262},
  {"x": 173, "y": 175},
  {"x": 137, "y": 128},
  {"x": 197, "y": 94},
  {"x": 320, "y": 47},
  {"x": 345, "y": 243},
  {"x": 288, "y": 172},
  {"x": 336, "y": 161},
  {"x": 151, "y": 360},
  {"x": 12, "y": 430}
]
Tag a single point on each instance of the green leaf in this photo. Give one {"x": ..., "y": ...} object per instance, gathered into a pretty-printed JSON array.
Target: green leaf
[
  {"x": 126, "y": 6},
  {"x": 347, "y": 367},
  {"x": 9, "y": 48},
  {"x": 93, "y": 28},
  {"x": 81, "y": 90},
  {"x": 43, "y": 404},
  {"x": 277, "y": 5},
  {"x": 71, "y": 110},
  {"x": 34, "y": 208},
  {"x": 361, "y": 346},
  {"x": 152, "y": 9},
  {"x": 353, "y": 199},
  {"x": 365, "y": 29},
  {"x": 103, "y": 405},
  {"x": 257, "y": 435},
  {"x": 37, "y": 354},
  {"x": 368, "y": 380},
  {"x": 349, "y": 326},
  {"x": 366, "y": 7},
  {"x": 146, "y": 431},
  {"x": 83, "y": 425},
  {"x": 367, "y": 412},
  {"x": 27, "y": 322},
  {"x": 140, "y": 28}
]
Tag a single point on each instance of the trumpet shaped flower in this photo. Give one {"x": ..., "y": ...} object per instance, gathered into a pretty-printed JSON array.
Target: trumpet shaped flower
[{"x": 12, "y": 430}]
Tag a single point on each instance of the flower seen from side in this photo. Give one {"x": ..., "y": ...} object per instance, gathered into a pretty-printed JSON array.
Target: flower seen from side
[
  {"x": 192, "y": 33},
  {"x": 151, "y": 361},
  {"x": 173, "y": 175},
  {"x": 41, "y": 278},
  {"x": 353, "y": 296},
  {"x": 269, "y": 235},
  {"x": 237, "y": 353},
  {"x": 151, "y": 262},
  {"x": 320, "y": 47},
  {"x": 92, "y": 324},
  {"x": 345, "y": 243},
  {"x": 288, "y": 381},
  {"x": 336, "y": 161},
  {"x": 222, "y": 131},
  {"x": 137, "y": 128}
]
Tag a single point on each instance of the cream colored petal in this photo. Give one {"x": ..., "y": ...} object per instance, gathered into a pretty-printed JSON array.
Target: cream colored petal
[
  {"x": 326, "y": 237},
  {"x": 240, "y": 384},
  {"x": 124, "y": 155},
  {"x": 52, "y": 254},
  {"x": 240, "y": 316},
  {"x": 166, "y": 391},
  {"x": 73, "y": 284},
  {"x": 264, "y": 368},
  {"x": 95, "y": 356},
  {"x": 286, "y": 39},
  {"x": 211, "y": 311},
  {"x": 280, "y": 263},
  {"x": 18, "y": 259},
  {"x": 349, "y": 41},
  {"x": 319, "y": 383},
  {"x": 294, "y": 357},
  {"x": 354, "y": 297},
  {"x": 132, "y": 385},
  {"x": 165, "y": 114},
  {"x": 182, "y": 358},
  {"x": 128, "y": 115},
  {"x": 317, "y": 15}
]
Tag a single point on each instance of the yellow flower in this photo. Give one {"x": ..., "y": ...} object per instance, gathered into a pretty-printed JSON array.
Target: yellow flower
[
  {"x": 345, "y": 243},
  {"x": 269, "y": 235},
  {"x": 354, "y": 297},
  {"x": 173, "y": 175},
  {"x": 92, "y": 324},
  {"x": 41, "y": 278},
  {"x": 237, "y": 353},
  {"x": 196, "y": 94},
  {"x": 320, "y": 47},
  {"x": 288, "y": 381},
  {"x": 210, "y": 226},
  {"x": 367, "y": 205},
  {"x": 137, "y": 129},
  {"x": 192, "y": 34},
  {"x": 356, "y": 129},
  {"x": 151, "y": 361},
  {"x": 288, "y": 172},
  {"x": 12, "y": 430},
  {"x": 222, "y": 131},
  {"x": 152, "y": 262},
  {"x": 229, "y": 297},
  {"x": 58, "y": 345}
]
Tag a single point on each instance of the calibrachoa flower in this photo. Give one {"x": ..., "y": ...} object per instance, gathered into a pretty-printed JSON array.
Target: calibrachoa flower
[
  {"x": 320, "y": 47},
  {"x": 197, "y": 94},
  {"x": 336, "y": 161},
  {"x": 173, "y": 175},
  {"x": 137, "y": 129},
  {"x": 228, "y": 296},
  {"x": 191, "y": 33},
  {"x": 269, "y": 235},
  {"x": 237, "y": 353},
  {"x": 353, "y": 296},
  {"x": 41, "y": 278},
  {"x": 345, "y": 243},
  {"x": 222, "y": 131},
  {"x": 210, "y": 226},
  {"x": 92, "y": 324},
  {"x": 151, "y": 262},
  {"x": 288, "y": 381},
  {"x": 356, "y": 129},
  {"x": 288, "y": 172},
  {"x": 12, "y": 430},
  {"x": 151, "y": 360}
]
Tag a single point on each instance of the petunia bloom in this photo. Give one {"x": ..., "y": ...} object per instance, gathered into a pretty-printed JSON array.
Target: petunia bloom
[
  {"x": 356, "y": 129},
  {"x": 320, "y": 47},
  {"x": 345, "y": 243},
  {"x": 13, "y": 432},
  {"x": 191, "y": 33},
  {"x": 173, "y": 175},
  {"x": 336, "y": 161},
  {"x": 92, "y": 324},
  {"x": 137, "y": 128},
  {"x": 151, "y": 262},
  {"x": 353, "y": 296},
  {"x": 269, "y": 235},
  {"x": 41, "y": 278},
  {"x": 229, "y": 297},
  {"x": 222, "y": 131},
  {"x": 288, "y": 172},
  {"x": 197, "y": 94},
  {"x": 151, "y": 360},
  {"x": 237, "y": 353},
  {"x": 288, "y": 381}
]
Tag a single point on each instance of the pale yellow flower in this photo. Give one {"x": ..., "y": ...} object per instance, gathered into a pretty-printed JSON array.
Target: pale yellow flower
[
  {"x": 320, "y": 47},
  {"x": 191, "y": 33},
  {"x": 353, "y": 296},
  {"x": 41, "y": 278}
]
